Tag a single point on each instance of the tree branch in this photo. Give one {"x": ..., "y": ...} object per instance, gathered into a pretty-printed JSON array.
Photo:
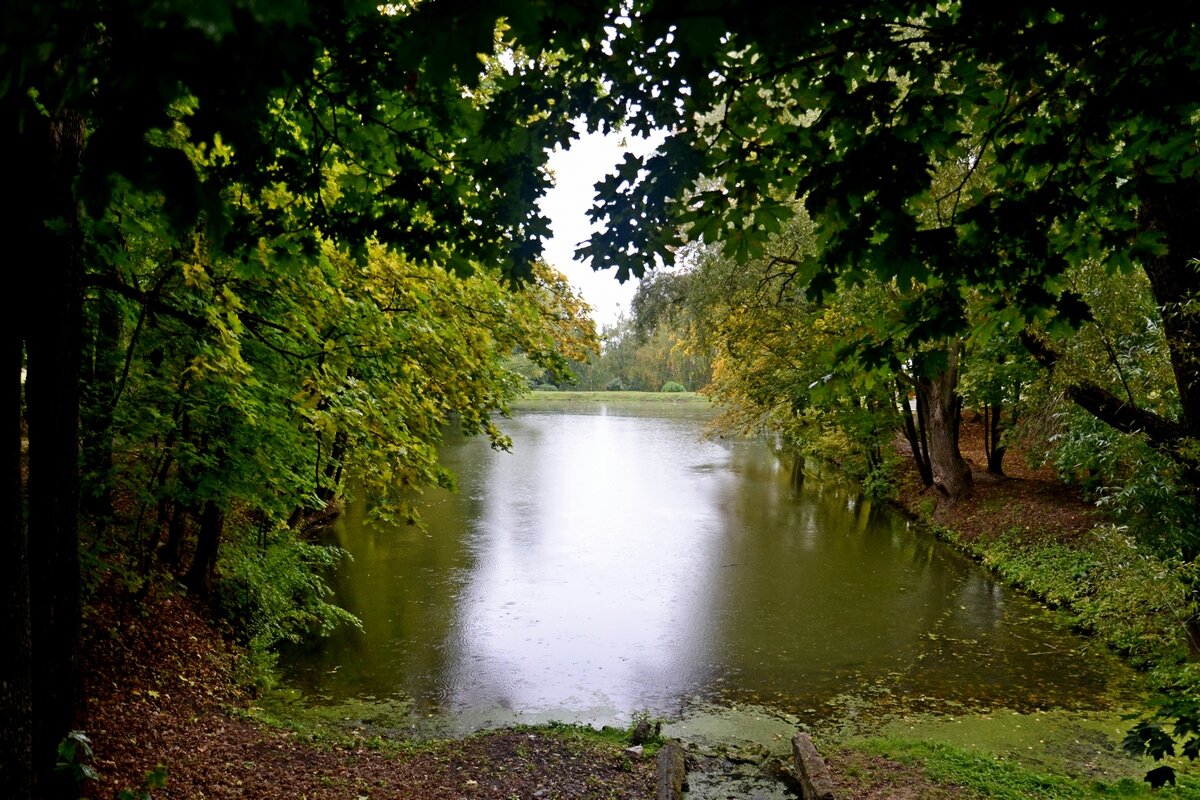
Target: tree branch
[
  {"x": 148, "y": 300},
  {"x": 1163, "y": 434}
]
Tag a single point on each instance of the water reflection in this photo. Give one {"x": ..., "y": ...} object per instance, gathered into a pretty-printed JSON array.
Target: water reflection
[
  {"x": 582, "y": 596},
  {"x": 613, "y": 562}
]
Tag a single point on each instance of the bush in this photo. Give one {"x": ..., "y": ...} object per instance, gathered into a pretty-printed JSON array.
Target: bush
[
  {"x": 274, "y": 592},
  {"x": 673, "y": 386},
  {"x": 880, "y": 481},
  {"x": 544, "y": 387},
  {"x": 615, "y": 385},
  {"x": 1137, "y": 485}
]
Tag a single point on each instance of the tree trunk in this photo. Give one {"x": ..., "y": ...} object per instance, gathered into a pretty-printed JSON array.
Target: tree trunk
[
  {"x": 914, "y": 433},
  {"x": 54, "y": 330},
  {"x": 951, "y": 475},
  {"x": 202, "y": 573},
  {"x": 1172, "y": 210},
  {"x": 176, "y": 529},
  {"x": 992, "y": 430},
  {"x": 16, "y": 697},
  {"x": 327, "y": 489},
  {"x": 162, "y": 517},
  {"x": 97, "y": 413}
]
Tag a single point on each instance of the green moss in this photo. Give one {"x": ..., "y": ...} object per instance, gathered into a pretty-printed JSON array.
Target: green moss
[
  {"x": 606, "y": 737},
  {"x": 388, "y": 725},
  {"x": 380, "y": 725}
]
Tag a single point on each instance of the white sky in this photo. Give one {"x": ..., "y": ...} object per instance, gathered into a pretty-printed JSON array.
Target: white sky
[{"x": 590, "y": 158}]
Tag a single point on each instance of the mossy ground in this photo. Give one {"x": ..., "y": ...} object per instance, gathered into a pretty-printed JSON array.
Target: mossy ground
[{"x": 868, "y": 769}]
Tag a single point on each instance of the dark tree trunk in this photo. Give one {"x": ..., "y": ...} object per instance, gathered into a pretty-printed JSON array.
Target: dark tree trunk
[
  {"x": 16, "y": 697},
  {"x": 951, "y": 475},
  {"x": 163, "y": 515},
  {"x": 914, "y": 432},
  {"x": 202, "y": 573},
  {"x": 798, "y": 471},
  {"x": 53, "y": 347},
  {"x": 176, "y": 529},
  {"x": 97, "y": 413},
  {"x": 992, "y": 430},
  {"x": 1173, "y": 210},
  {"x": 327, "y": 490}
]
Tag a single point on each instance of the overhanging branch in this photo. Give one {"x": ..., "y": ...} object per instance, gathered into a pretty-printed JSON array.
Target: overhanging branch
[{"x": 1163, "y": 434}]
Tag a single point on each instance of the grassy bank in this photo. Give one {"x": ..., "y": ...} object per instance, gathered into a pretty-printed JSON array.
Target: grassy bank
[
  {"x": 906, "y": 767},
  {"x": 536, "y": 399},
  {"x": 1042, "y": 537}
]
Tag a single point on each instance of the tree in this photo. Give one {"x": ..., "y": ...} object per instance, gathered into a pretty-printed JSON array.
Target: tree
[
  {"x": 358, "y": 124},
  {"x": 830, "y": 372},
  {"x": 361, "y": 124},
  {"x": 1081, "y": 119},
  {"x": 934, "y": 378},
  {"x": 996, "y": 380},
  {"x": 774, "y": 364}
]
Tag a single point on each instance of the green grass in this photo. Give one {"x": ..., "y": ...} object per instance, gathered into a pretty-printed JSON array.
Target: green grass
[
  {"x": 605, "y": 738},
  {"x": 984, "y": 775},
  {"x": 1077, "y": 743}
]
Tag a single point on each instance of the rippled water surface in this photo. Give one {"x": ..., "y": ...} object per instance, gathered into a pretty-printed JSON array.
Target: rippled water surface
[{"x": 614, "y": 562}]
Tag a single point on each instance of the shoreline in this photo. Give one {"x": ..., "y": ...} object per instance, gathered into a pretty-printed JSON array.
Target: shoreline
[{"x": 179, "y": 708}]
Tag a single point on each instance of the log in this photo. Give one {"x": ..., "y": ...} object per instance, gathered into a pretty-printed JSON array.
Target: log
[
  {"x": 671, "y": 774},
  {"x": 815, "y": 780}
]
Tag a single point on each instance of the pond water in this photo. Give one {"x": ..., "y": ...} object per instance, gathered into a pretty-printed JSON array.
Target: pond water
[{"x": 615, "y": 562}]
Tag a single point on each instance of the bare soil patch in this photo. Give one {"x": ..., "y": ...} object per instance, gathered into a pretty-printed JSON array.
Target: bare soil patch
[{"x": 1030, "y": 502}]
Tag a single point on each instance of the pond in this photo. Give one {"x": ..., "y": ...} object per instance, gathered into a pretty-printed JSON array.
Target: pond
[{"x": 617, "y": 562}]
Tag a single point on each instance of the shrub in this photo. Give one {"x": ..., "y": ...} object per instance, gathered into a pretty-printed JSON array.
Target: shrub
[
  {"x": 1137, "y": 485},
  {"x": 615, "y": 385},
  {"x": 273, "y": 592},
  {"x": 880, "y": 481},
  {"x": 673, "y": 386}
]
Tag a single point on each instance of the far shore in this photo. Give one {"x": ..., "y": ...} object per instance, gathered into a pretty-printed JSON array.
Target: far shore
[{"x": 534, "y": 399}]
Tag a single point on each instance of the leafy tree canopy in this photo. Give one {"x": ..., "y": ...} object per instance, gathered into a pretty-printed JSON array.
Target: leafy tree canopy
[{"x": 1078, "y": 116}]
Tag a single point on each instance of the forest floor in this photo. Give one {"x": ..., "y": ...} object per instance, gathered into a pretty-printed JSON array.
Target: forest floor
[
  {"x": 1027, "y": 499},
  {"x": 160, "y": 693}
]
